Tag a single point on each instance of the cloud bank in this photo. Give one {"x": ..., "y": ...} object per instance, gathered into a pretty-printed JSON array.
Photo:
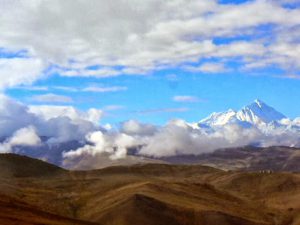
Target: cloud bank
[
  {"x": 26, "y": 136},
  {"x": 176, "y": 138},
  {"x": 55, "y": 127},
  {"x": 105, "y": 39},
  {"x": 57, "y": 123}
]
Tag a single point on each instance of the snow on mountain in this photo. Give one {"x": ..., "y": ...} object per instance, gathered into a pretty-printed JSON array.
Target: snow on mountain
[
  {"x": 257, "y": 113},
  {"x": 220, "y": 118}
]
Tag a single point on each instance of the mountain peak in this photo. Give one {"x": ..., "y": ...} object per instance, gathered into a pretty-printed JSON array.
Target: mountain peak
[
  {"x": 258, "y": 112},
  {"x": 255, "y": 113},
  {"x": 259, "y": 102}
]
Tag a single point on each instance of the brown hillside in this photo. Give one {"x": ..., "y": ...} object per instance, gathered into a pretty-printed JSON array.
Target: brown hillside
[
  {"x": 154, "y": 194},
  {"x": 23, "y": 166}
]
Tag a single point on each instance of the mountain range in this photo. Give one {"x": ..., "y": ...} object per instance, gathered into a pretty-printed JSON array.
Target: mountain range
[
  {"x": 257, "y": 114},
  {"x": 258, "y": 126}
]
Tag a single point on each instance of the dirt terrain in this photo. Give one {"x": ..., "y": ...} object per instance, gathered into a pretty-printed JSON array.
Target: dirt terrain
[
  {"x": 248, "y": 158},
  {"x": 35, "y": 192}
]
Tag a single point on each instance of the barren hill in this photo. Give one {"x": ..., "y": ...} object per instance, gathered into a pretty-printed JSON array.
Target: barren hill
[
  {"x": 248, "y": 158},
  {"x": 151, "y": 194},
  {"x": 23, "y": 166}
]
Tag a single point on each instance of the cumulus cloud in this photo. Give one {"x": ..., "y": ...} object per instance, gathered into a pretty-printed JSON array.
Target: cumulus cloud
[
  {"x": 64, "y": 123},
  {"x": 51, "y": 98},
  {"x": 48, "y": 112},
  {"x": 19, "y": 71},
  {"x": 58, "y": 123},
  {"x": 133, "y": 127},
  {"x": 135, "y": 37},
  {"x": 26, "y": 136},
  {"x": 22, "y": 125},
  {"x": 13, "y": 116},
  {"x": 177, "y": 137},
  {"x": 207, "y": 68},
  {"x": 114, "y": 144}
]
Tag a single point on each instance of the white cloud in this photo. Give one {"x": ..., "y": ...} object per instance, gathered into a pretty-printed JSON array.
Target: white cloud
[
  {"x": 178, "y": 138},
  {"x": 104, "y": 89},
  {"x": 207, "y": 68},
  {"x": 59, "y": 123},
  {"x": 19, "y": 71},
  {"x": 33, "y": 88},
  {"x": 133, "y": 127},
  {"x": 63, "y": 123},
  {"x": 186, "y": 98},
  {"x": 99, "y": 73},
  {"x": 26, "y": 136},
  {"x": 23, "y": 125},
  {"x": 51, "y": 98},
  {"x": 114, "y": 144},
  {"x": 49, "y": 112},
  {"x": 125, "y": 37},
  {"x": 175, "y": 138},
  {"x": 13, "y": 116},
  {"x": 60, "y": 98}
]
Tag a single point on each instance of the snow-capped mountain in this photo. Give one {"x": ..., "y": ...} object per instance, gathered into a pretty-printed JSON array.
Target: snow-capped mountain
[
  {"x": 220, "y": 118},
  {"x": 257, "y": 113}
]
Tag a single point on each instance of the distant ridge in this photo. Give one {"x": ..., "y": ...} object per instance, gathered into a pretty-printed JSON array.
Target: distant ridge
[
  {"x": 247, "y": 158},
  {"x": 23, "y": 166},
  {"x": 255, "y": 113}
]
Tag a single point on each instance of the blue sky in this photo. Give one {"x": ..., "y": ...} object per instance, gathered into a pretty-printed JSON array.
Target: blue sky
[
  {"x": 149, "y": 66},
  {"x": 154, "y": 93}
]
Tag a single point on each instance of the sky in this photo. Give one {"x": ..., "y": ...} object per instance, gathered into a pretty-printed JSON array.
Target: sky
[
  {"x": 151, "y": 60},
  {"x": 114, "y": 75}
]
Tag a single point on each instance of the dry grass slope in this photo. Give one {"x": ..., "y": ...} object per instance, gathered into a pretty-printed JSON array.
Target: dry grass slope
[
  {"x": 35, "y": 192},
  {"x": 23, "y": 166}
]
